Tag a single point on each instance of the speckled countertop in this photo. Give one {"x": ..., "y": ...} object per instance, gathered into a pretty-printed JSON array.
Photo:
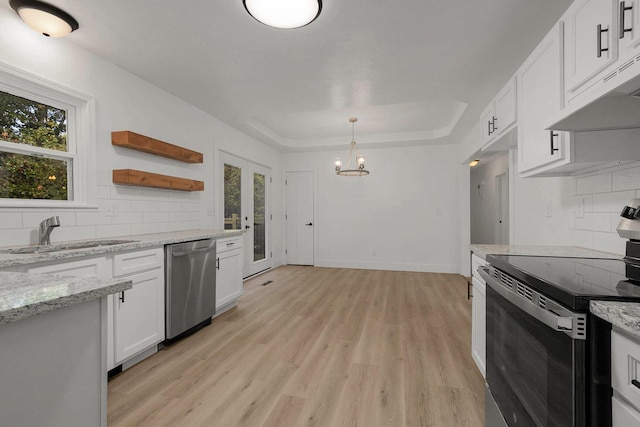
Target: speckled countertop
[
  {"x": 137, "y": 241},
  {"x": 24, "y": 295},
  {"x": 558, "y": 251},
  {"x": 624, "y": 315}
]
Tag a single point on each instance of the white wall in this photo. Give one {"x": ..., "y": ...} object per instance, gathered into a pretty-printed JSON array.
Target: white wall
[
  {"x": 125, "y": 102},
  {"x": 404, "y": 216}
]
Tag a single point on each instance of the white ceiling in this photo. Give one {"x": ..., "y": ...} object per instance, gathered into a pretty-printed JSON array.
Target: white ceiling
[{"x": 412, "y": 71}]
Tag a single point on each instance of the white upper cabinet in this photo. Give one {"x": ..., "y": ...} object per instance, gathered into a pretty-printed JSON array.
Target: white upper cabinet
[
  {"x": 540, "y": 95},
  {"x": 499, "y": 118},
  {"x": 628, "y": 28},
  {"x": 591, "y": 44}
]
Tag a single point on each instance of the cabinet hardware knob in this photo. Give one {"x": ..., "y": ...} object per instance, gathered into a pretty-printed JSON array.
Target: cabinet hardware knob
[
  {"x": 623, "y": 9},
  {"x": 599, "y": 47}
]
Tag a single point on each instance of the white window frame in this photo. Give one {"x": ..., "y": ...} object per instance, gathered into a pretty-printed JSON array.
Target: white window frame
[{"x": 81, "y": 140}]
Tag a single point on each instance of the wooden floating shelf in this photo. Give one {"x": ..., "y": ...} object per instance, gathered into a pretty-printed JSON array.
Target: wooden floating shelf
[
  {"x": 138, "y": 142},
  {"x": 154, "y": 180}
]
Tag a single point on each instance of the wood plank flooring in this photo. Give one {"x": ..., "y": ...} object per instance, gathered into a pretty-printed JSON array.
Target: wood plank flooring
[{"x": 317, "y": 347}]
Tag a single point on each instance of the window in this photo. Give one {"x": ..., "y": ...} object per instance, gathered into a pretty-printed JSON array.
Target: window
[{"x": 46, "y": 143}]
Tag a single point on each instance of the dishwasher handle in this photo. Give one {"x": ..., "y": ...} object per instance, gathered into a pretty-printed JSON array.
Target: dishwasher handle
[{"x": 195, "y": 251}]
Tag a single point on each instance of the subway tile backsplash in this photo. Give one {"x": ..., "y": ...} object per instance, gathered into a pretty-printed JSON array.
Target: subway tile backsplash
[
  {"x": 603, "y": 195},
  {"x": 121, "y": 211}
]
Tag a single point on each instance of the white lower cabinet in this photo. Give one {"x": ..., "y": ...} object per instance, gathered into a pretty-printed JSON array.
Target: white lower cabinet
[
  {"x": 135, "y": 317},
  {"x": 138, "y": 313},
  {"x": 138, "y": 317},
  {"x": 229, "y": 273},
  {"x": 625, "y": 377},
  {"x": 478, "y": 316}
]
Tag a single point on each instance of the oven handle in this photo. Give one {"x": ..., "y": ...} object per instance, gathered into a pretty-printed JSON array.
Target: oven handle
[{"x": 555, "y": 322}]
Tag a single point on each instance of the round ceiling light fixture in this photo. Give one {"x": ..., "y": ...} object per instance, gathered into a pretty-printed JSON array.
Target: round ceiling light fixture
[
  {"x": 44, "y": 18},
  {"x": 284, "y": 13}
]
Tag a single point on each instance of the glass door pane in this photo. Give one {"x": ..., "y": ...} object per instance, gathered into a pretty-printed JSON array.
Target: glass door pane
[
  {"x": 232, "y": 197},
  {"x": 259, "y": 224}
]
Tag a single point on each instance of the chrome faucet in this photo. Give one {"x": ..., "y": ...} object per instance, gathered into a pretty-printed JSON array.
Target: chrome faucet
[{"x": 46, "y": 227}]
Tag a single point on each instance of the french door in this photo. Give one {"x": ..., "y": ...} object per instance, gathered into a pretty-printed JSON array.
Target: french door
[{"x": 246, "y": 207}]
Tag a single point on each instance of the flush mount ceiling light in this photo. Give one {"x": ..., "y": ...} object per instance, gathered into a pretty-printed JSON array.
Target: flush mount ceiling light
[
  {"x": 473, "y": 163},
  {"x": 284, "y": 13},
  {"x": 44, "y": 18},
  {"x": 359, "y": 160}
]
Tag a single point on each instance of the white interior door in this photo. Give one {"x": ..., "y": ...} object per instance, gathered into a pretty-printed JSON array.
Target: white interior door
[
  {"x": 246, "y": 189},
  {"x": 299, "y": 218}
]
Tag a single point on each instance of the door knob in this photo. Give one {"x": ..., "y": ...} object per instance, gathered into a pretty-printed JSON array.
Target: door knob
[{"x": 309, "y": 223}]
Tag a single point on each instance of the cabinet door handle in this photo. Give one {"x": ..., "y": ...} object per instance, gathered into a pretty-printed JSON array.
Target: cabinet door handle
[
  {"x": 551, "y": 136},
  {"x": 489, "y": 131},
  {"x": 623, "y": 9},
  {"x": 121, "y": 297},
  {"x": 218, "y": 263},
  {"x": 493, "y": 123},
  {"x": 599, "y": 47},
  {"x": 310, "y": 223},
  {"x": 636, "y": 383}
]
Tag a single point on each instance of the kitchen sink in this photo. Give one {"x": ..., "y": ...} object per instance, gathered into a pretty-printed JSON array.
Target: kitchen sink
[{"x": 39, "y": 249}]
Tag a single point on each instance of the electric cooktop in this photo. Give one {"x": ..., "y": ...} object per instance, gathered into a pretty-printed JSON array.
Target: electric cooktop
[{"x": 573, "y": 282}]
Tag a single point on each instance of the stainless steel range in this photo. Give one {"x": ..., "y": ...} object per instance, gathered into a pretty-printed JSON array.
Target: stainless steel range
[{"x": 548, "y": 358}]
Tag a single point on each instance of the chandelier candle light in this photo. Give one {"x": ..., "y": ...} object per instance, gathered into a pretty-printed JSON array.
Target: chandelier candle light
[{"x": 359, "y": 160}]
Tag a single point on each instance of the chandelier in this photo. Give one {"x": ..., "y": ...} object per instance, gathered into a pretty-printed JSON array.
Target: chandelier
[{"x": 359, "y": 160}]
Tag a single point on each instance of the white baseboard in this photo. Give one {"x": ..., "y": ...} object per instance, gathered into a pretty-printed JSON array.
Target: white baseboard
[{"x": 423, "y": 268}]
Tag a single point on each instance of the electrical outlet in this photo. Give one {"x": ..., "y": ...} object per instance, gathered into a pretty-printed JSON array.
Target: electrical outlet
[
  {"x": 111, "y": 209},
  {"x": 580, "y": 209}
]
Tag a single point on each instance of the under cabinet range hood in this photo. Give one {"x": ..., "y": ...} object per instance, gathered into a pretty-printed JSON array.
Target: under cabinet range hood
[{"x": 613, "y": 103}]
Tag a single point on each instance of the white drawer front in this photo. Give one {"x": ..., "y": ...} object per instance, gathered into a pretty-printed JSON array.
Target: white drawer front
[
  {"x": 230, "y": 243},
  {"x": 625, "y": 367},
  {"x": 135, "y": 262},
  {"x": 623, "y": 414}
]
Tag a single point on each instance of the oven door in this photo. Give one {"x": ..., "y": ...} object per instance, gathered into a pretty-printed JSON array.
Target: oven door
[{"x": 536, "y": 374}]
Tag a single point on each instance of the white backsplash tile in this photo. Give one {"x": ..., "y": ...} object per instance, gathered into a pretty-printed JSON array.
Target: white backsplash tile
[
  {"x": 594, "y": 222},
  {"x": 10, "y": 220},
  {"x": 111, "y": 230},
  {"x": 611, "y": 202},
  {"x": 609, "y": 242},
  {"x": 604, "y": 195},
  {"x": 62, "y": 233},
  {"x": 626, "y": 179},
  {"x": 600, "y": 183},
  {"x": 582, "y": 238}
]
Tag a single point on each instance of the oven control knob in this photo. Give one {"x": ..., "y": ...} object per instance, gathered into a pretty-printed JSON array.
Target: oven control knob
[{"x": 629, "y": 212}]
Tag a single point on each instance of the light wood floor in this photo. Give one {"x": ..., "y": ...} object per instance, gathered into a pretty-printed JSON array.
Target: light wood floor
[{"x": 317, "y": 347}]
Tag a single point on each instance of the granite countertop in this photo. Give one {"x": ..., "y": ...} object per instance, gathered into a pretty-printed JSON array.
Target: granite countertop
[
  {"x": 136, "y": 241},
  {"x": 24, "y": 295},
  {"x": 624, "y": 315},
  {"x": 557, "y": 251}
]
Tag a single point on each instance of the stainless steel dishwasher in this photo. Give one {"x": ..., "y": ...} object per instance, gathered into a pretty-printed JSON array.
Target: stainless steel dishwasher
[{"x": 190, "y": 286}]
